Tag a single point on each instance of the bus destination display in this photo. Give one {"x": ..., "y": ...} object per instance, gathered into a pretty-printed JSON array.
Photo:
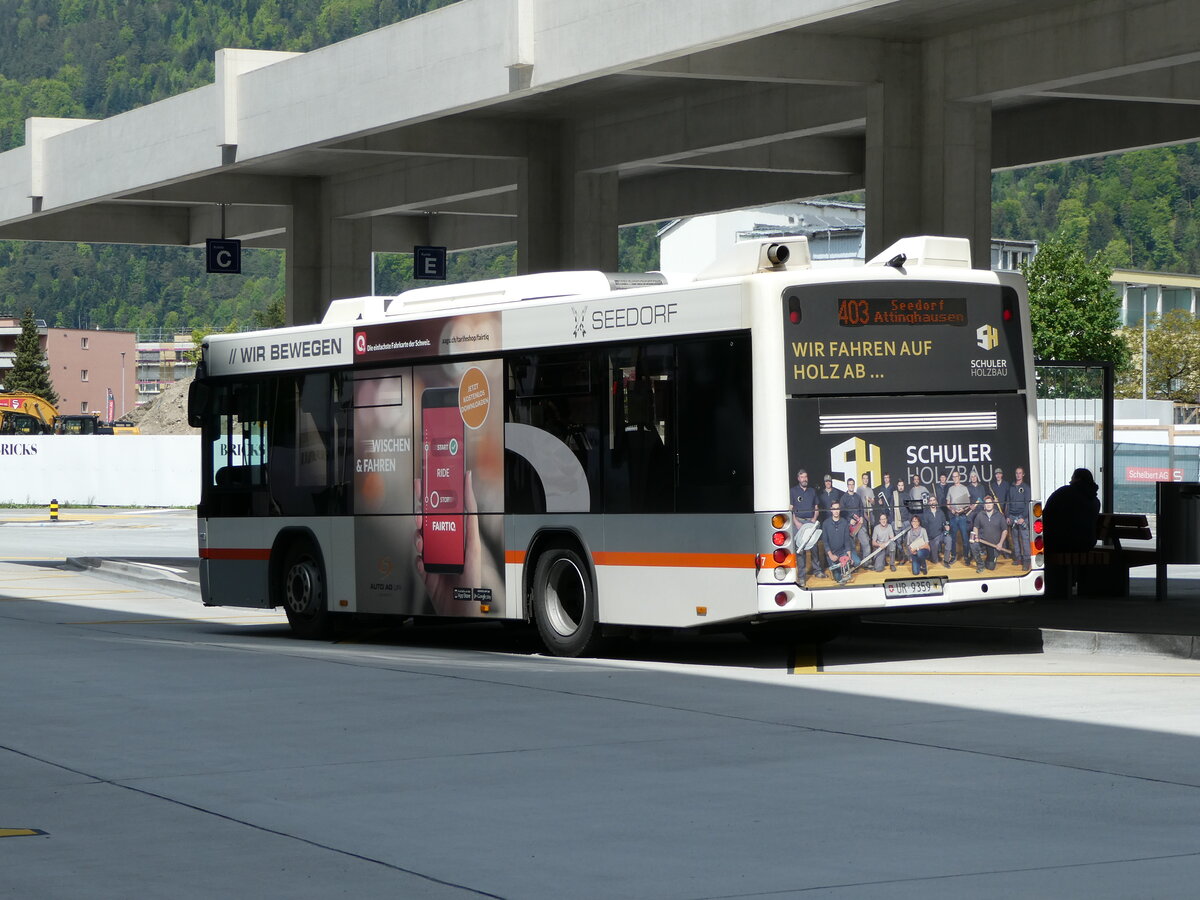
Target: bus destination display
[
  {"x": 857, "y": 313},
  {"x": 915, "y": 337}
]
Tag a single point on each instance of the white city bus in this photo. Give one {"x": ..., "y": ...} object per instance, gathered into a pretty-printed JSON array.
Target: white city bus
[{"x": 594, "y": 452}]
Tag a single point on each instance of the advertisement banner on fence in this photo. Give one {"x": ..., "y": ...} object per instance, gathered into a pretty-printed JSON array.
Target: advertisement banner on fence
[{"x": 1150, "y": 474}]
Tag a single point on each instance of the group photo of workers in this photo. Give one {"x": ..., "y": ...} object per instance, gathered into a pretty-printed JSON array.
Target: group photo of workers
[{"x": 908, "y": 525}]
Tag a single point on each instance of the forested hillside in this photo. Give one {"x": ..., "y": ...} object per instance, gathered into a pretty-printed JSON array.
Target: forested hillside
[
  {"x": 97, "y": 58},
  {"x": 1140, "y": 207}
]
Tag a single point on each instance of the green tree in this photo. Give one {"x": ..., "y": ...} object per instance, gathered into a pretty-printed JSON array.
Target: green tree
[
  {"x": 274, "y": 315},
  {"x": 30, "y": 372},
  {"x": 1172, "y": 359},
  {"x": 1075, "y": 312},
  {"x": 198, "y": 336}
]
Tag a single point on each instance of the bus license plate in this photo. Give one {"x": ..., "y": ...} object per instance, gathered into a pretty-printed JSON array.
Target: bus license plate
[{"x": 913, "y": 587}]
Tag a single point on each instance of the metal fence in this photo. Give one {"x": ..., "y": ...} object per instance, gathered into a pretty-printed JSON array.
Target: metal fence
[
  {"x": 1076, "y": 420},
  {"x": 1075, "y": 423},
  {"x": 1139, "y": 467}
]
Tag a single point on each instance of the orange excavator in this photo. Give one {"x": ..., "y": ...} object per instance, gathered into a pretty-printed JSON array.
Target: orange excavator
[{"x": 26, "y": 414}]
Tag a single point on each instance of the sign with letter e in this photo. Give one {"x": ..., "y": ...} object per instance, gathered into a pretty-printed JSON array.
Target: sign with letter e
[
  {"x": 223, "y": 257},
  {"x": 429, "y": 263}
]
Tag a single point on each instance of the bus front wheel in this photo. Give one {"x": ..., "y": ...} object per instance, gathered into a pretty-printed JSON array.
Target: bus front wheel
[
  {"x": 564, "y": 604},
  {"x": 302, "y": 591}
]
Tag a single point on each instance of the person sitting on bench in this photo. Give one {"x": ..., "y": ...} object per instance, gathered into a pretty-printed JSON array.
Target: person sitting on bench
[{"x": 1069, "y": 521}]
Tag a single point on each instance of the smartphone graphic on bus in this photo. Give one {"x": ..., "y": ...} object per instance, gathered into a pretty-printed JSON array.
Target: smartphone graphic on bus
[{"x": 443, "y": 481}]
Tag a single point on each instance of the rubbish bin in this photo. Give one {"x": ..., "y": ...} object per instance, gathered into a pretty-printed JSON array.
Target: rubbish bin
[{"x": 1178, "y": 525}]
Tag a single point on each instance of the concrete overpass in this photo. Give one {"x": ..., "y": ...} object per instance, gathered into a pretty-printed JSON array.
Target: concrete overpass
[{"x": 553, "y": 122}]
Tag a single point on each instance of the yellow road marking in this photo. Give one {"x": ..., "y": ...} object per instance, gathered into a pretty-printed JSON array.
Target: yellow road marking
[
  {"x": 70, "y": 595},
  {"x": 38, "y": 577},
  {"x": 19, "y": 832},
  {"x": 1017, "y": 674},
  {"x": 805, "y": 660}
]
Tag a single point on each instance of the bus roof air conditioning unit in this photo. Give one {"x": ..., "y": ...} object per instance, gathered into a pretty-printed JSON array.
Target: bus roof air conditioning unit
[
  {"x": 354, "y": 309},
  {"x": 750, "y": 257},
  {"x": 927, "y": 250}
]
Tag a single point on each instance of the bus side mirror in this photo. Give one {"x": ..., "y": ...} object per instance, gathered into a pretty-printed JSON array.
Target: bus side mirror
[{"x": 199, "y": 397}]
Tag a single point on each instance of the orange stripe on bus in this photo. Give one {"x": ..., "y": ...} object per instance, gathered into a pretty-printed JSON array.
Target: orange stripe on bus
[
  {"x": 677, "y": 560},
  {"x": 514, "y": 557},
  {"x": 234, "y": 553}
]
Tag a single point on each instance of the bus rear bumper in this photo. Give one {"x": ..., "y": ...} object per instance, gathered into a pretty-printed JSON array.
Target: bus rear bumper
[{"x": 790, "y": 597}]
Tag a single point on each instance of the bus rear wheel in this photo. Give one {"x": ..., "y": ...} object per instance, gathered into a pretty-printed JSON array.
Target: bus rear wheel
[
  {"x": 564, "y": 604},
  {"x": 302, "y": 591}
]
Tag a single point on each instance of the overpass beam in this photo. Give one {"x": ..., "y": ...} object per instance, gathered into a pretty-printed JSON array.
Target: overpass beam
[{"x": 928, "y": 161}]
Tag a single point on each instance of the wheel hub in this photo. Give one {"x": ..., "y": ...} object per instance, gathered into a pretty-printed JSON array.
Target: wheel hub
[
  {"x": 565, "y": 597},
  {"x": 299, "y": 591}
]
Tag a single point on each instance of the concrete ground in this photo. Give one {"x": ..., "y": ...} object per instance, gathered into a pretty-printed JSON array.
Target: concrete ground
[
  {"x": 160, "y": 749},
  {"x": 1137, "y": 623}
]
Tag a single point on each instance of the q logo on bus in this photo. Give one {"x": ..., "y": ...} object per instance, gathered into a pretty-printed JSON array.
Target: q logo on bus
[{"x": 360, "y": 343}]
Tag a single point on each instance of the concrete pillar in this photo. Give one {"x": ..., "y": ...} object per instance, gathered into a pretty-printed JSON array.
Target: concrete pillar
[
  {"x": 349, "y": 261},
  {"x": 928, "y": 165},
  {"x": 327, "y": 258},
  {"x": 305, "y": 237},
  {"x": 540, "y": 206},
  {"x": 567, "y": 219}
]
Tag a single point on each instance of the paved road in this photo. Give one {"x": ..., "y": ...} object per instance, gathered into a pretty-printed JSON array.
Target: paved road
[
  {"x": 166, "y": 750},
  {"x": 29, "y": 534}
]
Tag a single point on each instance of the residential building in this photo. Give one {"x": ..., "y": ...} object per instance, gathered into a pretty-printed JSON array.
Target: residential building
[
  {"x": 162, "y": 361},
  {"x": 10, "y": 330},
  {"x": 89, "y": 368},
  {"x": 93, "y": 371},
  {"x": 1154, "y": 294}
]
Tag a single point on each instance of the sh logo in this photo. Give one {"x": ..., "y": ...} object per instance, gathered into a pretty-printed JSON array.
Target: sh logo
[
  {"x": 854, "y": 458},
  {"x": 580, "y": 314},
  {"x": 987, "y": 337}
]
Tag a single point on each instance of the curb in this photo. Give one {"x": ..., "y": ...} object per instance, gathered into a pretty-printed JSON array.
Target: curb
[
  {"x": 1036, "y": 639},
  {"x": 43, "y": 523},
  {"x": 169, "y": 576},
  {"x": 1179, "y": 646}
]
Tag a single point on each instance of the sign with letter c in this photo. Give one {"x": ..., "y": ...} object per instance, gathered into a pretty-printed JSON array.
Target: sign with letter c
[{"x": 223, "y": 257}]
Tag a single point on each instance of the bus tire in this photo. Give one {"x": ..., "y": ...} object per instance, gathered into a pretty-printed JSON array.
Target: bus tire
[
  {"x": 303, "y": 593},
  {"x": 564, "y": 603}
]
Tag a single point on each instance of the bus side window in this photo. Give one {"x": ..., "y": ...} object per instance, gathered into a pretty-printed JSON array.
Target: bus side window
[
  {"x": 307, "y": 435},
  {"x": 562, "y": 394},
  {"x": 235, "y": 431},
  {"x": 715, "y": 427},
  {"x": 640, "y": 450}
]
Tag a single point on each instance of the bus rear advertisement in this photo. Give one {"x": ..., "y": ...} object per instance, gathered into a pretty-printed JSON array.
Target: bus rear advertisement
[{"x": 591, "y": 453}]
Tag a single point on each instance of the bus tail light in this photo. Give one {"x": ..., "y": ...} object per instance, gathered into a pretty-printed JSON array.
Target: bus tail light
[
  {"x": 1039, "y": 543},
  {"x": 782, "y": 599},
  {"x": 779, "y": 557}
]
